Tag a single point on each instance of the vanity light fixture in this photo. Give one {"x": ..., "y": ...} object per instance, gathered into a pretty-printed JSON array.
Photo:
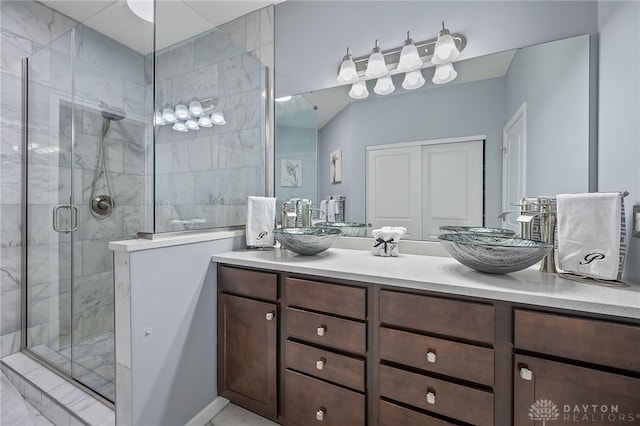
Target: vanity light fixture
[
  {"x": 376, "y": 66},
  {"x": 347, "y": 73},
  {"x": 199, "y": 114},
  {"x": 409, "y": 57},
  {"x": 445, "y": 50},
  {"x": 359, "y": 90}
]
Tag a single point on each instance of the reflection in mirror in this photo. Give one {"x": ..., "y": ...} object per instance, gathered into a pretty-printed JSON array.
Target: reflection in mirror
[{"x": 550, "y": 82}]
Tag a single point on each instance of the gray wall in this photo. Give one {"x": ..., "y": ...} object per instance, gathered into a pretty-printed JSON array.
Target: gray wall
[
  {"x": 468, "y": 109},
  {"x": 619, "y": 100},
  {"x": 312, "y": 36},
  {"x": 557, "y": 113},
  {"x": 173, "y": 293}
]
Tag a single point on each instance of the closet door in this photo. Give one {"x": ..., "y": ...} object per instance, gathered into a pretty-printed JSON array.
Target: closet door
[
  {"x": 393, "y": 189},
  {"x": 452, "y": 185}
]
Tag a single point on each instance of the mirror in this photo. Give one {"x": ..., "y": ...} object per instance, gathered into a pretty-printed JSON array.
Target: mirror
[{"x": 550, "y": 82}]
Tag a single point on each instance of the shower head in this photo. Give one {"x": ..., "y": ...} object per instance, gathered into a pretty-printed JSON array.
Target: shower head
[{"x": 111, "y": 113}]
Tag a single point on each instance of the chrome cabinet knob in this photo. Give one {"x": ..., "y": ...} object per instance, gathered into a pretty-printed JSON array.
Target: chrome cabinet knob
[
  {"x": 270, "y": 316},
  {"x": 431, "y": 397},
  {"x": 321, "y": 363},
  {"x": 431, "y": 357},
  {"x": 320, "y": 414},
  {"x": 321, "y": 330},
  {"x": 526, "y": 374}
]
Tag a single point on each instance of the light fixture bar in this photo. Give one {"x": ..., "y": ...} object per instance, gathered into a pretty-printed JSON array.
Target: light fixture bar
[{"x": 392, "y": 56}]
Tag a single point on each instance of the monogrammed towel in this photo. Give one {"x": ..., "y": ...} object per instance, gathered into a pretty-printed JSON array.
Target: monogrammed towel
[
  {"x": 591, "y": 234},
  {"x": 261, "y": 215}
]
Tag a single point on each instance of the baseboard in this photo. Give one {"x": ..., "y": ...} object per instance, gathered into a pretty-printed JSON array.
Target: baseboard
[{"x": 208, "y": 412}]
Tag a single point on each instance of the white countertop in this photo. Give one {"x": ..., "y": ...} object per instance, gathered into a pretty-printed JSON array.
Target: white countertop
[
  {"x": 446, "y": 275},
  {"x": 173, "y": 239}
]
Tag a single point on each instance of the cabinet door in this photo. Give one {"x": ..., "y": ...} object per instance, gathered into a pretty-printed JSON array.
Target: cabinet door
[
  {"x": 565, "y": 394},
  {"x": 247, "y": 344}
]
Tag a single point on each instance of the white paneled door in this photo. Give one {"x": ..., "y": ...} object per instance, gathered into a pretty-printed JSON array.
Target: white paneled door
[
  {"x": 514, "y": 162},
  {"x": 424, "y": 185}
]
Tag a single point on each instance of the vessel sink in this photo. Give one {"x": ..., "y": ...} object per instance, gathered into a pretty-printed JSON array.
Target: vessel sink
[
  {"x": 307, "y": 241},
  {"x": 476, "y": 230},
  {"x": 349, "y": 229},
  {"x": 494, "y": 254}
]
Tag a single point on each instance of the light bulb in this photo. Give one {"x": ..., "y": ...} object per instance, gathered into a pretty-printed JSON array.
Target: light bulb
[
  {"x": 182, "y": 112},
  {"x": 359, "y": 90},
  {"x": 168, "y": 115},
  {"x": 409, "y": 57},
  {"x": 347, "y": 73},
  {"x": 384, "y": 86},
  {"x": 376, "y": 67},
  {"x": 413, "y": 80},
  {"x": 179, "y": 126},
  {"x": 192, "y": 124},
  {"x": 445, "y": 49},
  {"x": 444, "y": 73},
  {"x": 204, "y": 121},
  {"x": 158, "y": 120},
  {"x": 195, "y": 109},
  {"x": 218, "y": 118}
]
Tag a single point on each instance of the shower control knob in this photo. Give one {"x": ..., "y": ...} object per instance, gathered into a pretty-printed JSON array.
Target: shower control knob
[{"x": 147, "y": 332}]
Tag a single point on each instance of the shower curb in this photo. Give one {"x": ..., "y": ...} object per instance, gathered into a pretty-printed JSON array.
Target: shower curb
[{"x": 60, "y": 401}]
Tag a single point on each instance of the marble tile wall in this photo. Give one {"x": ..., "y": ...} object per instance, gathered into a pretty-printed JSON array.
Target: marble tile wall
[{"x": 203, "y": 177}]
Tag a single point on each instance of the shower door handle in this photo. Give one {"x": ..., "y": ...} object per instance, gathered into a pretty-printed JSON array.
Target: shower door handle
[
  {"x": 75, "y": 218},
  {"x": 56, "y": 218}
]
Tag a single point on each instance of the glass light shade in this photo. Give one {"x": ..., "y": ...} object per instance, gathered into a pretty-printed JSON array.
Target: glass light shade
[
  {"x": 444, "y": 73},
  {"x": 204, "y": 121},
  {"x": 409, "y": 57},
  {"x": 384, "y": 86},
  {"x": 445, "y": 49},
  {"x": 347, "y": 73},
  {"x": 218, "y": 118},
  {"x": 142, "y": 8},
  {"x": 179, "y": 126},
  {"x": 359, "y": 90},
  {"x": 158, "y": 120},
  {"x": 195, "y": 109},
  {"x": 376, "y": 67},
  {"x": 182, "y": 112},
  {"x": 168, "y": 115},
  {"x": 413, "y": 80},
  {"x": 192, "y": 124}
]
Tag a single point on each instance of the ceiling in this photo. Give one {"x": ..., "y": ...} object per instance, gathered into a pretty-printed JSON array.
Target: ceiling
[{"x": 176, "y": 20}]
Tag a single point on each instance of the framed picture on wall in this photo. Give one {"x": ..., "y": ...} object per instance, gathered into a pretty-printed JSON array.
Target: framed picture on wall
[
  {"x": 291, "y": 173},
  {"x": 335, "y": 166}
]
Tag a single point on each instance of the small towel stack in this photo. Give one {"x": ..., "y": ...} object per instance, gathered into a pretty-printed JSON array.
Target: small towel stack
[
  {"x": 591, "y": 234},
  {"x": 386, "y": 240},
  {"x": 261, "y": 217}
]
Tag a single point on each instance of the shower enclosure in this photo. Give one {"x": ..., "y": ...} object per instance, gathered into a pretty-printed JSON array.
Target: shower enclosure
[
  {"x": 85, "y": 185},
  {"x": 99, "y": 168}
]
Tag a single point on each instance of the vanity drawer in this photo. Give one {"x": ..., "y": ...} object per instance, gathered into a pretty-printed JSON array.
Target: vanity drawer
[
  {"x": 467, "y": 362},
  {"x": 394, "y": 415},
  {"x": 341, "y": 369},
  {"x": 245, "y": 282},
  {"x": 327, "y": 330},
  {"x": 330, "y": 298},
  {"x": 466, "y": 320},
  {"x": 452, "y": 400},
  {"x": 588, "y": 340},
  {"x": 310, "y": 401}
]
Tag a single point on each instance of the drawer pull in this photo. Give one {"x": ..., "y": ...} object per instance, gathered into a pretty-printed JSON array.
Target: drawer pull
[
  {"x": 270, "y": 316},
  {"x": 320, "y": 414},
  {"x": 526, "y": 374},
  {"x": 321, "y": 363},
  {"x": 431, "y": 397},
  {"x": 321, "y": 330},
  {"x": 431, "y": 356}
]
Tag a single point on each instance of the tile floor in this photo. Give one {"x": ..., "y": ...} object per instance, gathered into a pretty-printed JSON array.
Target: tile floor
[{"x": 16, "y": 411}]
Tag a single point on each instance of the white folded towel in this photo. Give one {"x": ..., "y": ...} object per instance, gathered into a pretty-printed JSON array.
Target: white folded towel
[
  {"x": 591, "y": 234},
  {"x": 323, "y": 210},
  {"x": 386, "y": 239},
  {"x": 261, "y": 215},
  {"x": 332, "y": 209}
]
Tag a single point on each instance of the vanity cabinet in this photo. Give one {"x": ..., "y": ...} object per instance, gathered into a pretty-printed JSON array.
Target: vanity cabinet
[
  {"x": 437, "y": 356},
  {"x": 248, "y": 339},
  {"x": 325, "y": 353},
  {"x": 575, "y": 370}
]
